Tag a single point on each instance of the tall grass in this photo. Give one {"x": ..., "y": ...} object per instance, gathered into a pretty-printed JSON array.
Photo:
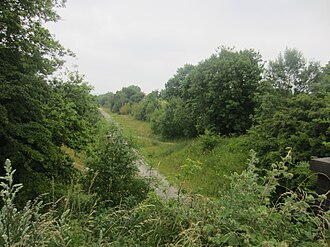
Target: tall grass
[
  {"x": 228, "y": 155},
  {"x": 29, "y": 226},
  {"x": 243, "y": 215}
]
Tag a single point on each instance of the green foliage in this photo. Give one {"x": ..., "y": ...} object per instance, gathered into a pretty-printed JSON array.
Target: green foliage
[
  {"x": 323, "y": 84},
  {"x": 173, "y": 120},
  {"x": 125, "y": 109},
  {"x": 72, "y": 112},
  {"x": 28, "y": 226},
  {"x": 209, "y": 141},
  {"x": 293, "y": 113},
  {"x": 290, "y": 73},
  {"x": 168, "y": 156},
  {"x": 105, "y": 100},
  {"x": 219, "y": 94},
  {"x": 112, "y": 172},
  {"x": 302, "y": 123},
  {"x": 244, "y": 215},
  {"x": 173, "y": 87},
  {"x": 27, "y": 46},
  {"x": 37, "y": 116},
  {"x": 126, "y": 96},
  {"x": 251, "y": 219},
  {"x": 146, "y": 107}
]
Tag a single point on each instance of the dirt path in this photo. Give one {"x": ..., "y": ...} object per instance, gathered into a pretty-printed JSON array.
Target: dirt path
[{"x": 157, "y": 181}]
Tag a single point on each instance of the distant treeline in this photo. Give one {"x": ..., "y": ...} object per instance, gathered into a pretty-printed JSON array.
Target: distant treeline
[{"x": 285, "y": 103}]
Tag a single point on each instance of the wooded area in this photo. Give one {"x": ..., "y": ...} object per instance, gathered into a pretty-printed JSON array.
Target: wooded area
[{"x": 284, "y": 104}]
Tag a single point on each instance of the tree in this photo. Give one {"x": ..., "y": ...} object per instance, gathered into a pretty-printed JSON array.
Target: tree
[
  {"x": 113, "y": 171},
  {"x": 218, "y": 94},
  {"x": 302, "y": 123},
  {"x": 323, "y": 84},
  {"x": 173, "y": 85},
  {"x": 173, "y": 120},
  {"x": 106, "y": 100},
  {"x": 72, "y": 112},
  {"x": 29, "y": 54},
  {"x": 147, "y": 106},
  {"x": 290, "y": 73},
  {"x": 127, "y": 95},
  {"x": 221, "y": 91}
]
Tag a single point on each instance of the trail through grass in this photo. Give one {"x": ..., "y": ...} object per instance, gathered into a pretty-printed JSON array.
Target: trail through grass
[{"x": 230, "y": 155}]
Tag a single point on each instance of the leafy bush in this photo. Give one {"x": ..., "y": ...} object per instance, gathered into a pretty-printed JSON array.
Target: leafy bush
[
  {"x": 113, "y": 170},
  {"x": 125, "y": 109},
  {"x": 244, "y": 215},
  {"x": 146, "y": 107},
  {"x": 173, "y": 120},
  {"x": 127, "y": 95},
  {"x": 302, "y": 123},
  {"x": 208, "y": 140},
  {"x": 219, "y": 93}
]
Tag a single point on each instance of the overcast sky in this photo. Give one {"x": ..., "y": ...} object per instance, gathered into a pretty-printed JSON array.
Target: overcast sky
[{"x": 143, "y": 42}]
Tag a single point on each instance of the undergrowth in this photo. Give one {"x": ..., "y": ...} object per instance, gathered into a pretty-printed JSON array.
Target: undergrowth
[
  {"x": 32, "y": 225},
  {"x": 245, "y": 214},
  {"x": 217, "y": 155}
]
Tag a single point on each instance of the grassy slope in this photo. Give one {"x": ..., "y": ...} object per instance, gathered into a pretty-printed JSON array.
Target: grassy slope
[{"x": 229, "y": 156}]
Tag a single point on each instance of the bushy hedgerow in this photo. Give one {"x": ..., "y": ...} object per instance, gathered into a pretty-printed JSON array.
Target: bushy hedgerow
[
  {"x": 219, "y": 93},
  {"x": 301, "y": 122},
  {"x": 173, "y": 120}
]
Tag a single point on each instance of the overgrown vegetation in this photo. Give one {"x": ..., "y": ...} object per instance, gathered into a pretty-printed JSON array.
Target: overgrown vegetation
[
  {"x": 112, "y": 172},
  {"x": 229, "y": 103},
  {"x": 29, "y": 226},
  {"x": 244, "y": 214},
  {"x": 38, "y": 113},
  {"x": 231, "y": 93},
  {"x": 218, "y": 155}
]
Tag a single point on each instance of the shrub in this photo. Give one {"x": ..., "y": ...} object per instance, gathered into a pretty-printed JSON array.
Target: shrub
[
  {"x": 146, "y": 107},
  {"x": 113, "y": 171},
  {"x": 302, "y": 123},
  {"x": 209, "y": 140},
  {"x": 173, "y": 120},
  {"x": 125, "y": 109}
]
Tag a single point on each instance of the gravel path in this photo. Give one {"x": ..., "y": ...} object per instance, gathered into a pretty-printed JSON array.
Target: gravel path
[{"x": 157, "y": 181}]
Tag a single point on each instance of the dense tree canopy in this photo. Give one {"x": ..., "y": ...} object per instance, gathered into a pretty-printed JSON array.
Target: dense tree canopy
[
  {"x": 34, "y": 114},
  {"x": 323, "y": 84},
  {"x": 294, "y": 109},
  {"x": 173, "y": 87},
  {"x": 121, "y": 101},
  {"x": 301, "y": 123},
  {"x": 217, "y": 94},
  {"x": 72, "y": 112},
  {"x": 147, "y": 106}
]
